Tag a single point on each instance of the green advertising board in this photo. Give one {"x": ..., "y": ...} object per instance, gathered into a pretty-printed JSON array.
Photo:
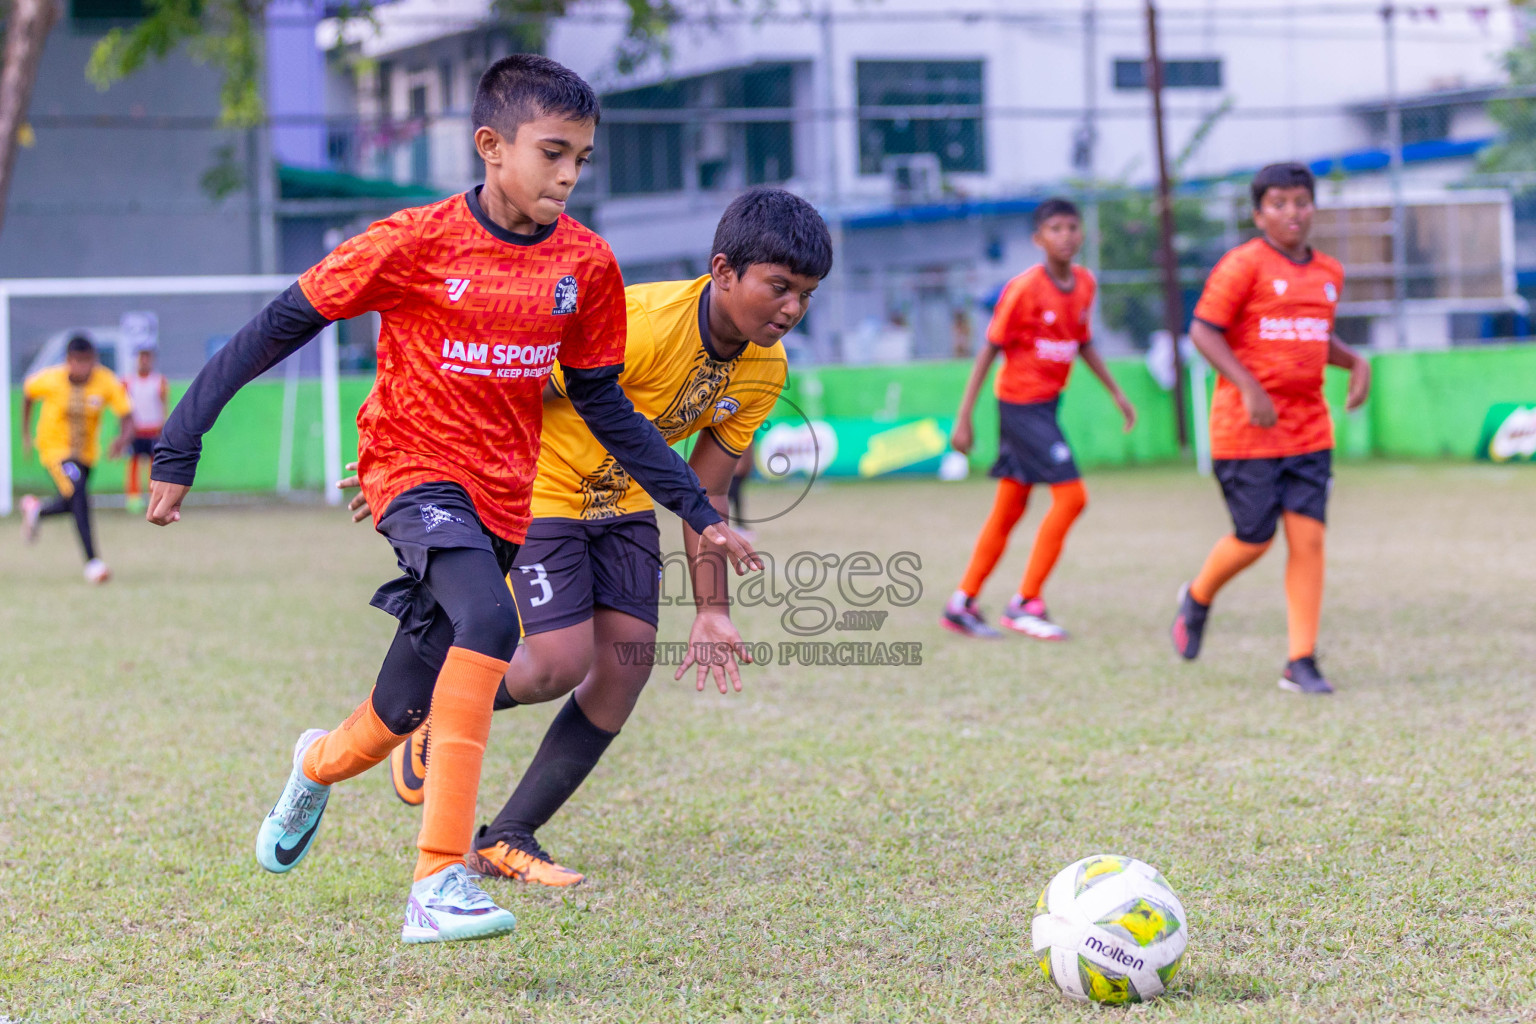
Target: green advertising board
[
  {"x": 852, "y": 447},
  {"x": 1509, "y": 433}
]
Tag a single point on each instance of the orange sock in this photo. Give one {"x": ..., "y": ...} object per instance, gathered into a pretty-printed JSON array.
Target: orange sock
[
  {"x": 131, "y": 478},
  {"x": 461, "y": 723},
  {"x": 1303, "y": 582},
  {"x": 1007, "y": 509},
  {"x": 351, "y": 748},
  {"x": 1067, "y": 503},
  {"x": 1229, "y": 557}
]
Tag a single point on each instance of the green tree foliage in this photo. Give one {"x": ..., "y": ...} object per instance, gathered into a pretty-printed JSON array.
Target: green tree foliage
[
  {"x": 1515, "y": 152},
  {"x": 226, "y": 34},
  {"x": 1128, "y": 232}
]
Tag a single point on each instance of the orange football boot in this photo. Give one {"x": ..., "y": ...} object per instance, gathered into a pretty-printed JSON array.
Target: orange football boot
[
  {"x": 524, "y": 862},
  {"x": 408, "y": 766}
]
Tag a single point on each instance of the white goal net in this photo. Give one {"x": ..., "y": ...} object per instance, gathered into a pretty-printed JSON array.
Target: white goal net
[{"x": 282, "y": 434}]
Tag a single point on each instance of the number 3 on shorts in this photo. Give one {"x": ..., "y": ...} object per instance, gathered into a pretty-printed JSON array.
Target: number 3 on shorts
[{"x": 540, "y": 580}]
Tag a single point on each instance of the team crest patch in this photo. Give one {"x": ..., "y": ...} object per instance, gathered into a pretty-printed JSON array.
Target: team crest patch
[
  {"x": 725, "y": 409},
  {"x": 1049, "y": 316},
  {"x": 565, "y": 296},
  {"x": 432, "y": 517},
  {"x": 1060, "y": 452},
  {"x": 1281, "y": 284},
  {"x": 1330, "y": 291}
]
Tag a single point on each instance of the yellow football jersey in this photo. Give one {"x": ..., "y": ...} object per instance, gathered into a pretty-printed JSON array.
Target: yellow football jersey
[
  {"x": 69, "y": 421},
  {"x": 675, "y": 383}
]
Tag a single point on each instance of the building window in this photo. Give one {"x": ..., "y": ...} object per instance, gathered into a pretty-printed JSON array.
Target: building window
[
  {"x": 1131, "y": 73},
  {"x": 908, "y": 107},
  {"x": 644, "y": 158},
  {"x": 770, "y": 153}
]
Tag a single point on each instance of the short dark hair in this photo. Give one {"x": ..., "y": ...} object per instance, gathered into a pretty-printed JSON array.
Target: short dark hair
[
  {"x": 1291, "y": 175},
  {"x": 526, "y": 86},
  {"x": 1055, "y": 206},
  {"x": 79, "y": 344},
  {"x": 772, "y": 225}
]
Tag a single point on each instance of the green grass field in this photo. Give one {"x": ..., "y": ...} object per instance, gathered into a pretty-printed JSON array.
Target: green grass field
[{"x": 852, "y": 844}]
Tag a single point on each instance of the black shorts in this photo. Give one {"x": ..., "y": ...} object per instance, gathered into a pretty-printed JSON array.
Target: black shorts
[
  {"x": 1257, "y": 490},
  {"x": 142, "y": 446},
  {"x": 567, "y": 567},
  {"x": 1031, "y": 448},
  {"x": 427, "y": 518}
]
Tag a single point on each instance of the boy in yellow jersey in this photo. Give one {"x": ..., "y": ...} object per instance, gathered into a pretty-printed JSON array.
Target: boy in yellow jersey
[
  {"x": 72, "y": 398},
  {"x": 703, "y": 357}
]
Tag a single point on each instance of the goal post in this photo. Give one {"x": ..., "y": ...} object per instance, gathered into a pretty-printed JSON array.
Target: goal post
[{"x": 88, "y": 289}]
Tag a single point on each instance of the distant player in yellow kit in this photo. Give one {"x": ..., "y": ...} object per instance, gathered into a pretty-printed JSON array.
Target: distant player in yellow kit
[{"x": 71, "y": 399}]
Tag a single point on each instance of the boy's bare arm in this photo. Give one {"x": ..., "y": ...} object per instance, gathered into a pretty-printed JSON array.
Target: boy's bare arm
[
  {"x": 1359, "y": 367},
  {"x": 1212, "y": 344},
  {"x": 124, "y": 437},
  {"x": 963, "y": 436},
  {"x": 713, "y": 631},
  {"x": 26, "y": 424},
  {"x": 1096, "y": 364},
  {"x": 645, "y": 455}
]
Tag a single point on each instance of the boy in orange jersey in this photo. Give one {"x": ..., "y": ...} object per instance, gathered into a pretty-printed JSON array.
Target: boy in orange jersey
[
  {"x": 478, "y": 295},
  {"x": 703, "y": 358},
  {"x": 1040, "y": 327},
  {"x": 1265, "y": 322}
]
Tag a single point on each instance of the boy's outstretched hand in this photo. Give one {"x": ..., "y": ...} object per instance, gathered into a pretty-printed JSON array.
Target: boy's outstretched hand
[
  {"x": 1261, "y": 408},
  {"x": 1127, "y": 410},
  {"x": 358, "y": 504},
  {"x": 1359, "y": 385},
  {"x": 962, "y": 436},
  {"x": 719, "y": 537},
  {"x": 165, "y": 502}
]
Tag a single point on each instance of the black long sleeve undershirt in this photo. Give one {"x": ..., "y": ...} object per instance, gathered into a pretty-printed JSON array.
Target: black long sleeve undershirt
[
  {"x": 637, "y": 445},
  {"x": 284, "y": 325}
]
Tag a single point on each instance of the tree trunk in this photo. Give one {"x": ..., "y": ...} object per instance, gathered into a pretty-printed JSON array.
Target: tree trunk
[{"x": 27, "y": 30}]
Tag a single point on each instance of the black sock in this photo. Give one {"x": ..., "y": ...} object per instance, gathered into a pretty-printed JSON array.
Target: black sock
[
  {"x": 503, "y": 698},
  {"x": 570, "y": 751}
]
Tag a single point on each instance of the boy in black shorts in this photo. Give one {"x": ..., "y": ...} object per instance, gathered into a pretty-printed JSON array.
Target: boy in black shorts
[{"x": 705, "y": 357}]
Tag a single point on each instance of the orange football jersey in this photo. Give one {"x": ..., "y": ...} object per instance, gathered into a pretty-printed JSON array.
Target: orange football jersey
[
  {"x": 1039, "y": 327},
  {"x": 474, "y": 317},
  {"x": 1277, "y": 315}
]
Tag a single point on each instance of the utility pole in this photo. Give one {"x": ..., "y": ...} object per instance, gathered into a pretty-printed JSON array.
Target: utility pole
[
  {"x": 1173, "y": 302},
  {"x": 1395, "y": 167},
  {"x": 836, "y": 338},
  {"x": 1088, "y": 134}
]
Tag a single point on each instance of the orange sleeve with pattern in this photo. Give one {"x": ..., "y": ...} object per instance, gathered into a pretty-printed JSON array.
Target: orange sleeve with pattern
[
  {"x": 1088, "y": 281},
  {"x": 596, "y": 334},
  {"x": 1012, "y": 308},
  {"x": 1226, "y": 290},
  {"x": 366, "y": 273}
]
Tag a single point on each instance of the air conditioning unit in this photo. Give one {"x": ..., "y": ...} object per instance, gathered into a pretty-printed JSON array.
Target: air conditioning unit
[{"x": 914, "y": 177}]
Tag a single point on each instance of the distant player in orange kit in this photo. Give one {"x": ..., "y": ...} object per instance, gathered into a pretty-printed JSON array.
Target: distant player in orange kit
[
  {"x": 1265, "y": 322},
  {"x": 1041, "y": 326}
]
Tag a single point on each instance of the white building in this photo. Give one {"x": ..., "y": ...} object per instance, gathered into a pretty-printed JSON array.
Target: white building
[{"x": 927, "y": 132}]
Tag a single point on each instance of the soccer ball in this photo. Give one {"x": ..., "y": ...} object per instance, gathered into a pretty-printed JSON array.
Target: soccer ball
[{"x": 1109, "y": 929}]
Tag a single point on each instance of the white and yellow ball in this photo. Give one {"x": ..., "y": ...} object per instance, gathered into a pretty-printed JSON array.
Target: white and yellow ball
[{"x": 1109, "y": 929}]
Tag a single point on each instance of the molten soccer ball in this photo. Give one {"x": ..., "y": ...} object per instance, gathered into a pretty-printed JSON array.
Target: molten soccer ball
[{"x": 1109, "y": 929}]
